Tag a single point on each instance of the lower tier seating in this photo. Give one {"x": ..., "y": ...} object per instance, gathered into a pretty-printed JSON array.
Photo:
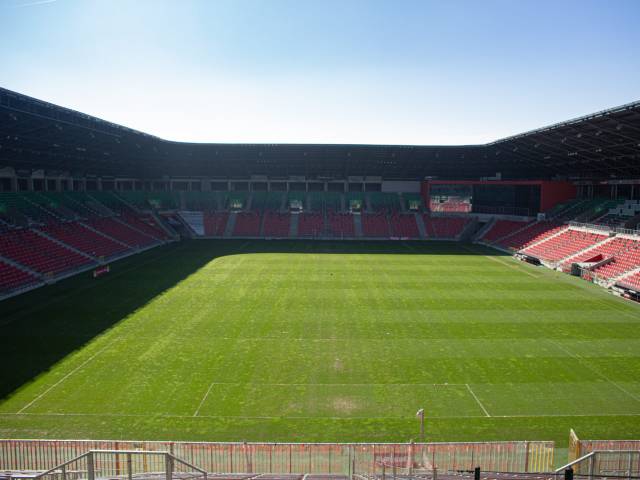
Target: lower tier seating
[
  {"x": 621, "y": 263},
  {"x": 605, "y": 250},
  {"x": 145, "y": 224},
  {"x": 310, "y": 224},
  {"x": 444, "y": 227},
  {"x": 632, "y": 281},
  {"x": 276, "y": 224},
  {"x": 564, "y": 245},
  {"x": 535, "y": 232},
  {"x": 375, "y": 225},
  {"x": 38, "y": 253},
  {"x": 502, "y": 228},
  {"x": 215, "y": 223},
  {"x": 120, "y": 232},
  {"x": 85, "y": 240},
  {"x": 247, "y": 224},
  {"x": 12, "y": 278},
  {"x": 404, "y": 225},
  {"x": 341, "y": 224}
]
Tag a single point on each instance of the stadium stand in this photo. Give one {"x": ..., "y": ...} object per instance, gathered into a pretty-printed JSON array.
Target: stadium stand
[
  {"x": 341, "y": 224},
  {"x": 310, "y": 224},
  {"x": 404, "y": 225},
  {"x": 375, "y": 225},
  {"x": 247, "y": 224},
  {"x": 603, "y": 250},
  {"x": 621, "y": 263},
  {"x": 567, "y": 243},
  {"x": 501, "y": 229},
  {"x": 38, "y": 253},
  {"x": 533, "y": 233},
  {"x": 632, "y": 282},
  {"x": 13, "y": 279},
  {"x": 444, "y": 227},
  {"x": 121, "y": 232},
  {"x": 276, "y": 224},
  {"x": 86, "y": 240},
  {"x": 215, "y": 223}
]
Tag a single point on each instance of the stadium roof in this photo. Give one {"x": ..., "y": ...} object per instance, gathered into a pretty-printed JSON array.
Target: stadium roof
[{"x": 38, "y": 135}]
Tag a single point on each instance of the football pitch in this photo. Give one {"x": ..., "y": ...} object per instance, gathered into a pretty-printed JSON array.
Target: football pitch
[{"x": 320, "y": 341}]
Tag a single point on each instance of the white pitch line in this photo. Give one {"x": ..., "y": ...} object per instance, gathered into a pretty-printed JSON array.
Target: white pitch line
[
  {"x": 195, "y": 414},
  {"x": 63, "y": 378},
  {"x": 477, "y": 400},
  {"x": 594, "y": 370},
  {"x": 271, "y": 417}
]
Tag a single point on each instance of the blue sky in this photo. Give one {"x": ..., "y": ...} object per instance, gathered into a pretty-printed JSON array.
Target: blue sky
[{"x": 345, "y": 71}]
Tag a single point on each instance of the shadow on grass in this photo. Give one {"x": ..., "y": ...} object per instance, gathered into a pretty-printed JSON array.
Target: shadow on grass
[{"x": 40, "y": 328}]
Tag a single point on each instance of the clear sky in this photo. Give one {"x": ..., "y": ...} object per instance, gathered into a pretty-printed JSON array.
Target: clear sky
[{"x": 324, "y": 71}]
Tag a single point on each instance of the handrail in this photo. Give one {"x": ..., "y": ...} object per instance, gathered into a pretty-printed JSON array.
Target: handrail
[
  {"x": 592, "y": 454},
  {"x": 90, "y": 453}
]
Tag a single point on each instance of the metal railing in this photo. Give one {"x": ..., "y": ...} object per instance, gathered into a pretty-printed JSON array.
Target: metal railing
[
  {"x": 608, "y": 463},
  {"x": 311, "y": 458},
  {"x": 120, "y": 464}
]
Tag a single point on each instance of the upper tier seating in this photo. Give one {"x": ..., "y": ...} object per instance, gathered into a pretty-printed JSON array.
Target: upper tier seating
[
  {"x": 310, "y": 224},
  {"x": 12, "y": 278},
  {"x": 247, "y": 224},
  {"x": 502, "y": 228},
  {"x": 276, "y": 224},
  {"x": 375, "y": 225},
  {"x": 567, "y": 243},
  {"x": 120, "y": 232},
  {"x": 535, "y": 232},
  {"x": 404, "y": 225},
  {"x": 444, "y": 227},
  {"x": 215, "y": 223},
  {"x": 341, "y": 224},
  {"x": 38, "y": 253},
  {"x": 85, "y": 240}
]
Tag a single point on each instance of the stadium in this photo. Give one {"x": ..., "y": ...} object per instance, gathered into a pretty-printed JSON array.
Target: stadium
[{"x": 317, "y": 311}]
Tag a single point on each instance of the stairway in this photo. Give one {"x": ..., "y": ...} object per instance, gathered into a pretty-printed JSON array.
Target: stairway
[
  {"x": 293, "y": 225},
  {"x": 421, "y": 226},
  {"x": 231, "y": 223},
  {"x": 357, "y": 225}
]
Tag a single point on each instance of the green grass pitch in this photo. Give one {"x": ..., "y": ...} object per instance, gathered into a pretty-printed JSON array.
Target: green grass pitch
[{"x": 302, "y": 341}]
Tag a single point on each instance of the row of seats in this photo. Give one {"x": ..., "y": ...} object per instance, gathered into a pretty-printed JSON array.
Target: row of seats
[
  {"x": 39, "y": 253},
  {"x": 533, "y": 233},
  {"x": 215, "y": 223},
  {"x": 621, "y": 263},
  {"x": 12, "y": 278},
  {"x": 121, "y": 232},
  {"x": 632, "y": 281},
  {"x": 567, "y": 243},
  {"x": 445, "y": 227},
  {"x": 84, "y": 239},
  {"x": 277, "y": 224},
  {"x": 502, "y": 228}
]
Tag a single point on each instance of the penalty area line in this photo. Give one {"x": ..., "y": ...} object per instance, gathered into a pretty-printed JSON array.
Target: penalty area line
[
  {"x": 195, "y": 414},
  {"x": 477, "y": 400},
  {"x": 63, "y": 379}
]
